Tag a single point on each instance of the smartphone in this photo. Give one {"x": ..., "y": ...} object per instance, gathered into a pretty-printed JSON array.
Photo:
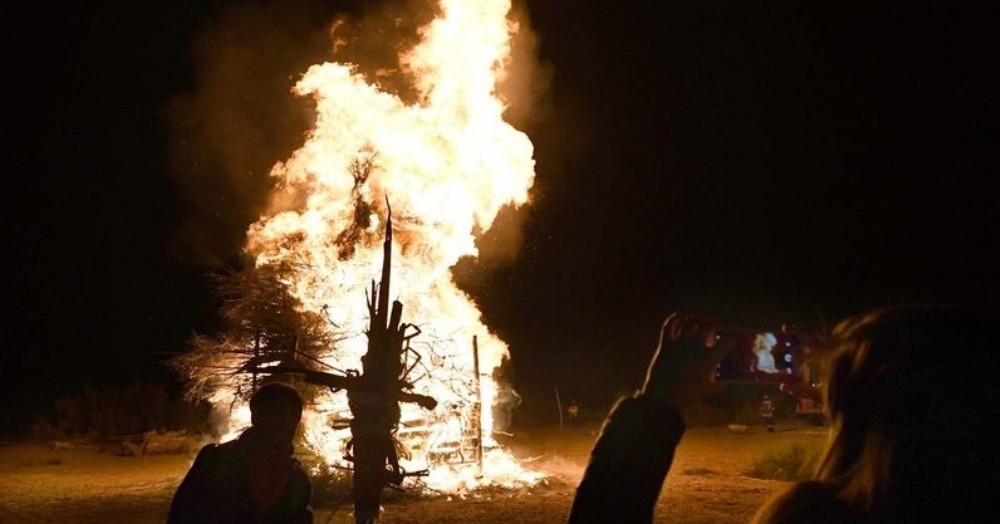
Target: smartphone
[{"x": 760, "y": 356}]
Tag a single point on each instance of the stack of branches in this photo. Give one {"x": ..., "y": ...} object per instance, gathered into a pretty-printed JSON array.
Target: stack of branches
[{"x": 262, "y": 322}]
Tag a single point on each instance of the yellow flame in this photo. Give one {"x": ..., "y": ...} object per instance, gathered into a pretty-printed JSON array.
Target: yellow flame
[{"x": 447, "y": 163}]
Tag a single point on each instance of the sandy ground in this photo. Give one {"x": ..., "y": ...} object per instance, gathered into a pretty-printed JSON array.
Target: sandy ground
[{"x": 706, "y": 484}]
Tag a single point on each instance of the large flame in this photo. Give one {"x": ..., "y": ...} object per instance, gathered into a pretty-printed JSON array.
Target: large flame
[{"x": 447, "y": 163}]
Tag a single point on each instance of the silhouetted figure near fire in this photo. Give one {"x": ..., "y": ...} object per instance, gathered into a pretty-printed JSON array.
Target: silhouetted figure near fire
[
  {"x": 911, "y": 440},
  {"x": 573, "y": 413},
  {"x": 767, "y": 413},
  {"x": 253, "y": 479}
]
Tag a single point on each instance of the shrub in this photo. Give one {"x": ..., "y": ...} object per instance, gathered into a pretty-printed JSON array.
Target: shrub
[
  {"x": 790, "y": 463},
  {"x": 331, "y": 486},
  {"x": 110, "y": 411},
  {"x": 747, "y": 415}
]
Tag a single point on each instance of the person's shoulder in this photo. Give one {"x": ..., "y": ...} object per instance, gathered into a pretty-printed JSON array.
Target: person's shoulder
[
  {"x": 299, "y": 471},
  {"x": 214, "y": 454},
  {"x": 207, "y": 452},
  {"x": 299, "y": 485},
  {"x": 809, "y": 501},
  {"x": 216, "y": 449}
]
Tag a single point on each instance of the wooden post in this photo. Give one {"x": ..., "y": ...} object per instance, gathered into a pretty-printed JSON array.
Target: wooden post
[
  {"x": 479, "y": 405},
  {"x": 256, "y": 358},
  {"x": 559, "y": 407}
]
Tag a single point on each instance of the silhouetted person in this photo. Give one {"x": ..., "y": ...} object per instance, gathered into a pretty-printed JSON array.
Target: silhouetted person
[
  {"x": 767, "y": 413},
  {"x": 254, "y": 478},
  {"x": 910, "y": 394},
  {"x": 573, "y": 413},
  {"x": 912, "y": 408}
]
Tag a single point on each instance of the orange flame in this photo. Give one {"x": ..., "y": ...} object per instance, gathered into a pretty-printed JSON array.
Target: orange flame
[{"x": 448, "y": 163}]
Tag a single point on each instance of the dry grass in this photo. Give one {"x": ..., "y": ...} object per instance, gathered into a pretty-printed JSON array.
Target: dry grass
[{"x": 707, "y": 484}]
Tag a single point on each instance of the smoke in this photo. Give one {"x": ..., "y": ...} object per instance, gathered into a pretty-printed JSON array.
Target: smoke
[
  {"x": 528, "y": 79},
  {"x": 239, "y": 116},
  {"x": 525, "y": 90},
  {"x": 504, "y": 405}
]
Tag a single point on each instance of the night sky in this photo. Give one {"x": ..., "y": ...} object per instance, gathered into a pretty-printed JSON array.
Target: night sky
[{"x": 765, "y": 163}]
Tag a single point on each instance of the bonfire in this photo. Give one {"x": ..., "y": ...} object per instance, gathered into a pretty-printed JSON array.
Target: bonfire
[{"x": 448, "y": 163}]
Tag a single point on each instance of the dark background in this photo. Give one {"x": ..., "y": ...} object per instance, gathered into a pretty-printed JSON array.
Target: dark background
[{"x": 762, "y": 163}]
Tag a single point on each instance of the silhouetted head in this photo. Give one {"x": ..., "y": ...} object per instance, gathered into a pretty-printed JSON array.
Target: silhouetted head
[
  {"x": 275, "y": 411},
  {"x": 908, "y": 393}
]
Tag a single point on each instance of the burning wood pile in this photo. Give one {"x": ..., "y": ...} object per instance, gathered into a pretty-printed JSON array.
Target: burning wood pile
[
  {"x": 391, "y": 403},
  {"x": 373, "y": 394}
]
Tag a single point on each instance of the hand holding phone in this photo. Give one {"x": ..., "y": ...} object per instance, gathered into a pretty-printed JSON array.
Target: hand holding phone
[{"x": 681, "y": 369}]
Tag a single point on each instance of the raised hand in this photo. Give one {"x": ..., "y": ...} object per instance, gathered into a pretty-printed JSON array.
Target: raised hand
[{"x": 682, "y": 369}]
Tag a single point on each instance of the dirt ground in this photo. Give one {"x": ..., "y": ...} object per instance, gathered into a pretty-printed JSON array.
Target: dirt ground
[{"x": 707, "y": 483}]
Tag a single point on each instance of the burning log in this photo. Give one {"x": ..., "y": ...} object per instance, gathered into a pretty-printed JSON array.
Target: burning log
[{"x": 373, "y": 395}]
